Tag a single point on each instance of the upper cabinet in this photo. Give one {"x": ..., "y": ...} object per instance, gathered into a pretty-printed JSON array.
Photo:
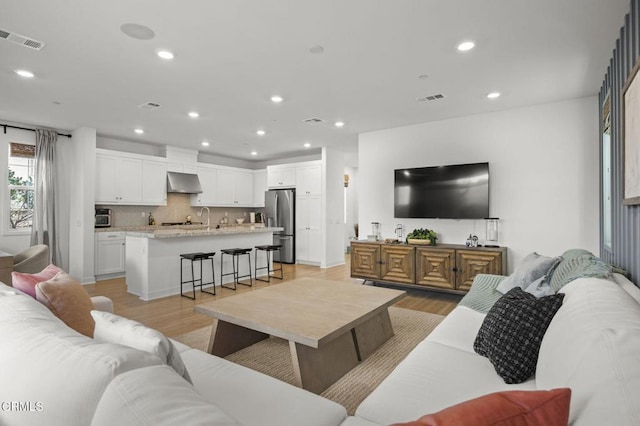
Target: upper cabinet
[
  {"x": 224, "y": 187},
  {"x": 154, "y": 182},
  {"x": 309, "y": 180},
  {"x": 259, "y": 187},
  {"x": 281, "y": 176},
  {"x": 130, "y": 180},
  {"x": 208, "y": 176},
  {"x": 235, "y": 188}
]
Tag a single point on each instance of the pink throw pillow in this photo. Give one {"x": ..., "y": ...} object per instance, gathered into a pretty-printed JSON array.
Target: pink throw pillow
[{"x": 26, "y": 283}]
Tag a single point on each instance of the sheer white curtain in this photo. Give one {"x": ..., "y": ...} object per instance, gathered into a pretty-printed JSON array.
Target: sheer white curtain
[{"x": 44, "y": 230}]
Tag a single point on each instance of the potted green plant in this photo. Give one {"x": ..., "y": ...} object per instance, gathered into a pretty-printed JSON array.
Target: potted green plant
[{"x": 422, "y": 236}]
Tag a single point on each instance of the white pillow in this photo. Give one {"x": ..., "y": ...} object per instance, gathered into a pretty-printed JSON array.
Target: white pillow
[{"x": 111, "y": 328}]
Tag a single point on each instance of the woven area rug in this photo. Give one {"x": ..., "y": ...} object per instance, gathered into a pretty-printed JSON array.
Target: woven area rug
[{"x": 272, "y": 356}]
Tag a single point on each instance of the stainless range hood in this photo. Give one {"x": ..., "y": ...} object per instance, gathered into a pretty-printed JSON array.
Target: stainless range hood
[{"x": 184, "y": 183}]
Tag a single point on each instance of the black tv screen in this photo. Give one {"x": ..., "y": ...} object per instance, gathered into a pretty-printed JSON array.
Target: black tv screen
[{"x": 458, "y": 191}]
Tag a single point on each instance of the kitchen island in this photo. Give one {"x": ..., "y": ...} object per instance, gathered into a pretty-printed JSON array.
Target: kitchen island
[{"x": 153, "y": 256}]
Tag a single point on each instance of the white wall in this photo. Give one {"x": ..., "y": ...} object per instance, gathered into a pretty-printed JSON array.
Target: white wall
[
  {"x": 333, "y": 207},
  {"x": 81, "y": 218},
  {"x": 544, "y": 177},
  {"x": 352, "y": 204}
]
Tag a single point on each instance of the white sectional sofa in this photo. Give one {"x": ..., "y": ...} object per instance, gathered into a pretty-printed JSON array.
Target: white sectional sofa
[
  {"x": 591, "y": 346},
  {"x": 49, "y": 374}
]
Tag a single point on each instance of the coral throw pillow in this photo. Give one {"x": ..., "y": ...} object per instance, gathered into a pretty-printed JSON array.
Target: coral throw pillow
[
  {"x": 69, "y": 301},
  {"x": 26, "y": 283},
  {"x": 508, "y": 408}
]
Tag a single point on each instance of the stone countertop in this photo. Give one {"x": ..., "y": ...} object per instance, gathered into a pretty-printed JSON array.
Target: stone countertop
[{"x": 190, "y": 231}]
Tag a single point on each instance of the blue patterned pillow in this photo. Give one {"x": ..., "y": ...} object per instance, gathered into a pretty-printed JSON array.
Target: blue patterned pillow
[{"x": 512, "y": 331}]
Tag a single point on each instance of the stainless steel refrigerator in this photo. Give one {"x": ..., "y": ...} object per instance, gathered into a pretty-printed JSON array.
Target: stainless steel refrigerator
[{"x": 280, "y": 211}]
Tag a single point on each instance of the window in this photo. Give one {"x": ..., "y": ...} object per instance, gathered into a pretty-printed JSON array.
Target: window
[
  {"x": 606, "y": 174},
  {"x": 21, "y": 191}
]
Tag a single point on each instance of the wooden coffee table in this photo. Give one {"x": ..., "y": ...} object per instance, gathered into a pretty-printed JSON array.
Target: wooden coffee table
[{"x": 331, "y": 326}]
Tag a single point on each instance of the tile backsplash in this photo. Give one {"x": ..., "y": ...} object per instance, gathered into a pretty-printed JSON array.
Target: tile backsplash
[{"x": 177, "y": 209}]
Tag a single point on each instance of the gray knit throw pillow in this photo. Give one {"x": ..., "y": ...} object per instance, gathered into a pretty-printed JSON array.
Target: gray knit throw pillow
[{"x": 512, "y": 331}]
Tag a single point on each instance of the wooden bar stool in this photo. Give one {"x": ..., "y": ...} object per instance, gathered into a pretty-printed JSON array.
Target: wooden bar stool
[
  {"x": 268, "y": 249},
  {"x": 235, "y": 254},
  {"x": 197, "y": 257}
]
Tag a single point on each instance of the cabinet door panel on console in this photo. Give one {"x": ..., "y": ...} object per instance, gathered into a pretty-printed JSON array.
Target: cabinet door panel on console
[
  {"x": 365, "y": 261},
  {"x": 434, "y": 267},
  {"x": 471, "y": 263},
  {"x": 398, "y": 264}
]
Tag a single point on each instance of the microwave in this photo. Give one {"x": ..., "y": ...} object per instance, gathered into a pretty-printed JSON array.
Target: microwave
[{"x": 103, "y": 218}]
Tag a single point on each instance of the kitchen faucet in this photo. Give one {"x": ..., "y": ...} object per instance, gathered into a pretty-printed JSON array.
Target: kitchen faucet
[{"x": 208, "y": 214}]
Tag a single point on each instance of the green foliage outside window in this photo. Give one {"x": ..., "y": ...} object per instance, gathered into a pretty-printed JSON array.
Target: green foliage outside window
[{"x": 21, "y": 200}]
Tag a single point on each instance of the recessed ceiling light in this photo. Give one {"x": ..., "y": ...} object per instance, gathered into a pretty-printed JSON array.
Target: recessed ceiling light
[
  {"x": 466, "y": 45},
  {"x": 139, "y": 131},
  {"x": 307, "y": 145},
  {"x": 493, "y": 95},
  {"x": 205, "y": 143},
  {"x": 339, "y": 123},
  {"x": 260, "y": 132},
  {"x": 254, "y": 153},
  {"x": 194, "y": 114},
  {"x": 165, "y": 54},
  {"x": 25, "y": 73},
  {"x": 276, "y": 99},
  {"x": 137, "y": 31},
  {"x": 316, "y": 49}
]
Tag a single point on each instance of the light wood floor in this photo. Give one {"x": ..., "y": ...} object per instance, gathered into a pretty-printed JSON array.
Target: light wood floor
[{"x": 174, "y": 315}]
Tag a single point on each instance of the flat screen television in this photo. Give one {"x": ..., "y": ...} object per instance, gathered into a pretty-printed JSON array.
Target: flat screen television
[{"x": 459, "y": 191}]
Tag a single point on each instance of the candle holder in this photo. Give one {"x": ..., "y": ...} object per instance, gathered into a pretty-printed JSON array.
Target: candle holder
[{"x": 491, "y": 239}]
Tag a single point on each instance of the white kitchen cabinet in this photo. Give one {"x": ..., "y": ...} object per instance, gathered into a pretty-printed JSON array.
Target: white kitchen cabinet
[
  {"x": 224, "y": 187},
  {"x": 281, "y": 177},
  {"x": 309, "y": 180},
  {"x": 259, "y": 187},
  {"x": 308, "y": 230},
  {"x": 106, "y": 179},
  {"x": 154, "y": 183},
  {"x": 182, "y": 168},
  {"x": 118, "y": 180},
  {"x": 130, "y": 179},
  {"x": 208, "y": 177},
  {"x": 235, "y": 188},
  {"x": 109, "y": 253},
  {"x": 243, "y": 188}
]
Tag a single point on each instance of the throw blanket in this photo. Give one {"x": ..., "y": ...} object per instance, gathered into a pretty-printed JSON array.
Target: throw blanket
[{"x": 576, "y": 263}]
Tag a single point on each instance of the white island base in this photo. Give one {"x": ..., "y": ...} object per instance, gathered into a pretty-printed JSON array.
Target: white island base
[{"x": 153, "y": 262}]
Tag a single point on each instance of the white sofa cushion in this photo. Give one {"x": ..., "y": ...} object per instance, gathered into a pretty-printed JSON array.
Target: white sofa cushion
[
  {"x": 592, "y": 346},
  {"x": 44, "y": 361},
  {"x": 458, "y": 329},
  {"x": 165, "y": 399},
  {"x": 432, "y": 377},
  {"x": 253, "y": 398},
  {"x": 112, "y": 328}
]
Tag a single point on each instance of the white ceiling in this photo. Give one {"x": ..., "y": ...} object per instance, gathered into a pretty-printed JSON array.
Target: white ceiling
[{"x": 232, "y": 56}]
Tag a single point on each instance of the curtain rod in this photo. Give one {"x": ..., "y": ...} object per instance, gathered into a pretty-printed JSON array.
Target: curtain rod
[{"x": 25, "y": 128}]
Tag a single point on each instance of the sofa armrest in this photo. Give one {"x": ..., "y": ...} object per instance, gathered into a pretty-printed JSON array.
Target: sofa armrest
[{"x": 102, "y": 303}]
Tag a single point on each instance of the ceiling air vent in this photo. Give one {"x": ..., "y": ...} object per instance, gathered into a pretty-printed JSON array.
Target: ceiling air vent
[
  {"x": 149, "y": 106},
  {"x": 314, "y": 121},
  {"x": 21, "y": 40},
  {"x": 431, "y": 98}
]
